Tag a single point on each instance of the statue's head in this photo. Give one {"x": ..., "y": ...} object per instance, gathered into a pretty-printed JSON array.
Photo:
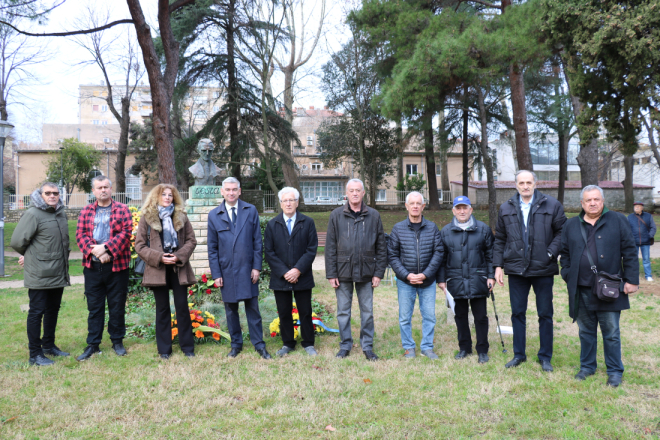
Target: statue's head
[{"x": 205, "y": 149}]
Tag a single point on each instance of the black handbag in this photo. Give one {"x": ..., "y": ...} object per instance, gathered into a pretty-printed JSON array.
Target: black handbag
[
  {"x": 607, "y": 286},
  {"x": 140, "y": 264}
]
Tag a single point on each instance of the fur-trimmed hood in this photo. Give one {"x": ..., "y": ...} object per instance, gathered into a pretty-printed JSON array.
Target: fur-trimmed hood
[
  {"x": 39, "y": 203},
  {"x": 178, "y": 218}
]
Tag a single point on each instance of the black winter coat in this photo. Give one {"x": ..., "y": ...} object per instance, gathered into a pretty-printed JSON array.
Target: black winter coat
[
  {"x": 283, "y": 252},
  {"x": 415, "y": 252},
  {"x": 617, "y": 254},
  {"x": 355, "y": 249},
  {"x": 468, "y": 260},
  {"x": 546, "y": 219}
]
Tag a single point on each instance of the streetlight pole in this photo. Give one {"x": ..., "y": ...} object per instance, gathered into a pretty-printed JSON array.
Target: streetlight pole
[{"x": 5, "y": 128}]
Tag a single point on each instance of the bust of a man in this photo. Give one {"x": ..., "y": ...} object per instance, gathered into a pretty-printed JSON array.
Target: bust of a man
[{"x": 204, "y": 170}]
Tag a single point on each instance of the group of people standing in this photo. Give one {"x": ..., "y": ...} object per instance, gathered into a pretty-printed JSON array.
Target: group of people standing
[{"x": 464, "y": 259}]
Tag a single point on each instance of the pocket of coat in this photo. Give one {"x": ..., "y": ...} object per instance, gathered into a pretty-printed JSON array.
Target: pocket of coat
[
  {"x": 344, "y": 269},
  {"x": 368, "y": 265},
  {"x": 50, "y": 264}
]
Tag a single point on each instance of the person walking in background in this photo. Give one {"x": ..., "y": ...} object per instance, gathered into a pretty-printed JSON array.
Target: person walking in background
[
  {"x": 468, "y": 274},
  {"x": 103, "y": 235},
  {"x": 290, "y": 244},
  {"x": 355, "y": 256},
  {"x": 602, "y": 238},
  {"x": 415, "y": 254},
  {"x": 527, "y": 240},
  {"x": 235, "y": 257},
  {"x": 165, "y": 241},
  {"x": 42, "y": 238},
  {"x": 643, "y": 230}
]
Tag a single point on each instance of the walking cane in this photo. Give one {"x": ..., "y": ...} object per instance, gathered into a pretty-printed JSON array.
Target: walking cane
[{"x": 492, "y": 296}]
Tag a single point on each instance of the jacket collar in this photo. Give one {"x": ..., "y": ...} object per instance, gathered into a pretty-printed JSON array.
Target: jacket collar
[
  {"x": 279, "y": 218},
  {"x": 455, "y": 227},
  {"x": 363, "y": 208},
  {"x": 537, "y": 198},
  {"x": 602, "y": 215},
  {"x": 409, "y": 223}
]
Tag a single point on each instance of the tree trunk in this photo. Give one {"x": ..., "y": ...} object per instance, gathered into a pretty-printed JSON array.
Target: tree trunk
[
  {"x": 523, "y": 155},
  {"x": 288, "y": 168},
  {"x": 399, "y": 158},
  {"x": 122, "y": 146},
  {"x": 628, "y": 183},
  {"x": 488, "y": 163},
  {"x": 465, "y": 143},
  {"x": 510, "y": 139},
  {"x": 563, "y": 166},
  {"x": 372, "y": 185},
  {"x": 431, "y": 180},
  {"x": 654, "y": 146},
  {"x": 232, "y": 85},
  {"x": 444, "y": 147}
]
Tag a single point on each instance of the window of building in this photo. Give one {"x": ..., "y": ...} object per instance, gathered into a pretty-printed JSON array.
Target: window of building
[
  {"x": 438, "y": 169},
  {"x": 104, "y": 122},
  {"x": 146, "y": 107},
  {"x": 104, "y": 108},
  {"x": 200, "y": 100},
  {"x": 310, "y": 142},
  {"x": 95, "y": 122},
  {"x": 411, "y": 169},
  {"x": 104, "y": 93},
  {"x": 134, "y": 108},
  {"x": 216, "y": 94},
  {"x": 200, "y": 114},
  {"x": 317, "y": 167},
  {"x": 312, "y": 190},
  {"x": 106, "y": 140},
  {"x": 95, "y": 108},
  {"x": 96, "y": 93},
  {"x": 216, "y": 108},
  {"x": 547, "y": 153},
  {"x": 381, "y": 195},
  {"x": 95, "y": 173},
  {"x": 133, "y": 186}
]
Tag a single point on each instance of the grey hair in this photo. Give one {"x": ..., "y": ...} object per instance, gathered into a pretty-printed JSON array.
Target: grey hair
[
  {"x": 355, "y": 180},
  {"x": 286, "y": 190},
  {"x": 101, "y": 178},
  {"x": 48, "y": 184},
  {"x": 414, "y": 193},
  {"x": 231, "y": 180},
  {"x": 536, "y": 179},
  {"x": 592, "y": 188}
]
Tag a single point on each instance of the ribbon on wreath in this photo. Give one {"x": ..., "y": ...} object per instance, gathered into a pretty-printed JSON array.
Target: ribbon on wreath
[{"x": 317, "y": 321}]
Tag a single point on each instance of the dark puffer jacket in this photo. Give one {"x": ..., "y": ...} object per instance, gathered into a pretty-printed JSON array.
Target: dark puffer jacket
[
  {"x": 468, "y": 259},
  {"x": 415, "y": 252},
  {"x": 546, "y": 219}
]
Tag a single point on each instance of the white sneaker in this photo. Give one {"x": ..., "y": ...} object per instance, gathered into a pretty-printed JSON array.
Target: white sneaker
[{"x": 649, "y": 279}]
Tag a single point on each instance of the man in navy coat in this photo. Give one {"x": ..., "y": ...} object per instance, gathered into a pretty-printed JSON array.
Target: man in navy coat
[{"x": 234, "y": 247}]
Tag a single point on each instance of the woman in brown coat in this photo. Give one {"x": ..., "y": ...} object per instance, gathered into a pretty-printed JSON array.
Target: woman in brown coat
[{"x": 171, "y": 243}]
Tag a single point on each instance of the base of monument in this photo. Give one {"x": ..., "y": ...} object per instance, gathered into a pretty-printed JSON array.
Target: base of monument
[{"x": 203, "y": 199}]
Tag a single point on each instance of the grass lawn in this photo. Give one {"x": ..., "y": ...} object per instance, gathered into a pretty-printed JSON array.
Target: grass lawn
[
  {"x": 9, "y": 230},
  {"x": 211, "y": 396}
]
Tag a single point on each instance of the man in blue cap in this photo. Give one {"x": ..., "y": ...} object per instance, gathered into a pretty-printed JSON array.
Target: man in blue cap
[
  {"x": 643, "y": 230},
  {"x": 468, "y": 274}
]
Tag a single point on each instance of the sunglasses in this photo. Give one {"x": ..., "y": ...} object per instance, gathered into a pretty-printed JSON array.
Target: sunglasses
[{"x": 51, "y": 193}]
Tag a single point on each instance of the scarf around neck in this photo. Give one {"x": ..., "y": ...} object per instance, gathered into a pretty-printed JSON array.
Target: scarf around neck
[{"x": 170, "y": 240}]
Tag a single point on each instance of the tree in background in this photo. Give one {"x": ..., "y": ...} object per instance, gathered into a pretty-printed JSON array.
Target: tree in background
[{"x": 78, "y": 159}]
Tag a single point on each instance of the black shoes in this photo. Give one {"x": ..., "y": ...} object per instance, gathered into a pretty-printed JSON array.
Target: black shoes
[
  {"x": 165, "y": 356},
  {"x": 55, "y": 351},
  {"x": 462, "y": 354},
  {"x": 119, "y": 349},
  {"x": 582, "y": 375},
  {"x": 89, "y": 352},
  {"x": 341, "y": 354},
  {"x": 546, "y": 366},
  {"x": 515, "y": 362},
  {"x": 190, "y": 354},
  {"x": 483, "y": 358},
  {"x": 40, "y": 361},
  {"x": 613, "y": 381},
  {"x": 234, "y": 352},
  {"x": 370, "y": 355},
  {"x": 264, "y": 354}
]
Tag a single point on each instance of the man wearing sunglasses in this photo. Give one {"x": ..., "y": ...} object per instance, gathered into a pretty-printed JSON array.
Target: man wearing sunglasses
[{"x": 42, "y": 238}]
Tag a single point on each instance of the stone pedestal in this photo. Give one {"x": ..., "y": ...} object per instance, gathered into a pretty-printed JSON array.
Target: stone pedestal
[{"x": 202, "y": 200}]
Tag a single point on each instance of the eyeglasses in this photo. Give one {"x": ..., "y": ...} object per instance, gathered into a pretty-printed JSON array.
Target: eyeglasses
[
  {"x": 51, "y": 193},
  {"x": 289, "y": 201}
]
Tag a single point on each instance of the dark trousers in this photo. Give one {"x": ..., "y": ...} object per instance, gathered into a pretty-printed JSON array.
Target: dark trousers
[
  {"x": 304, "y": 306},
  {"x": 101, "y": 285},
  {"x": 254, "y": 323},
  {"x": 479, "y": 312},
  {"x": 164, "y": 315},
  {"x": 44, "y": 305},
  {"x": 519, "y": 293}
]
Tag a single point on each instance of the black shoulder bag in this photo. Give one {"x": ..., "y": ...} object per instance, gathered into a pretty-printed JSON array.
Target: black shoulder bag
[
  {"x": 140, "y": 264},
  {"x": 607, "y": 285}
]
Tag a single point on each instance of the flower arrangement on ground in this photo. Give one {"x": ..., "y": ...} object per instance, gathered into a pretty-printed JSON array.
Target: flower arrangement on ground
[
  {"x": 275, "y": 325},
  {"x": 204, "y": 326},
  {"x": 204, "y": 290}
]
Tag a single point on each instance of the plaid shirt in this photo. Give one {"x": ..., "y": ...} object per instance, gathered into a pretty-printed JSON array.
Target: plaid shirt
[{"x": 121, "y": 226}]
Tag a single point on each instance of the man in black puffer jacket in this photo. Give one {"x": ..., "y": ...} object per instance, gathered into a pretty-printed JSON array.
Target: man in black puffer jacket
[
  {"x": 468, "y": 274},
  {"x": 527, "y": 242},
  {"x": 415, "y": 253}
]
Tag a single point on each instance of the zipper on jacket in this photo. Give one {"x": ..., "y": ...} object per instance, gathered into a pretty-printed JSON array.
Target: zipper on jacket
[{"x": 417, "y": 239}]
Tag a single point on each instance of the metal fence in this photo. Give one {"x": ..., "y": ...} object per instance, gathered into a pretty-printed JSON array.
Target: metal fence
[{"x": 80, "y": 200}]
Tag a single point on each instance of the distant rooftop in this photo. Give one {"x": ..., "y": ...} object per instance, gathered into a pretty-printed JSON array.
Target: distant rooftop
[{"x": 574, "y": 184}]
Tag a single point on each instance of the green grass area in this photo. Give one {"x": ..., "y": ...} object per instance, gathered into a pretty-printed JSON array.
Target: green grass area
[
  {"x": 15, "y": 271},
  {"x": 9, "y": 230},
  {"x": 211, "y": 396}
]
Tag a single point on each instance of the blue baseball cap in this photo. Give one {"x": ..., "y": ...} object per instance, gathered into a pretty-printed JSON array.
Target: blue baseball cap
[{"x": 461, "y": 200}]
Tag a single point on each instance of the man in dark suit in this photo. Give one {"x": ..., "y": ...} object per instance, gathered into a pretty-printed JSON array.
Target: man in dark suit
[
  {"x": 290, "y": 244},
  {"x": 234, "y": 247}
]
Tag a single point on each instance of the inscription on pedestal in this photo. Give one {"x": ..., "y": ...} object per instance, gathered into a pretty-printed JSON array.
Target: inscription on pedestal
[{"x": 205, "y": 192}]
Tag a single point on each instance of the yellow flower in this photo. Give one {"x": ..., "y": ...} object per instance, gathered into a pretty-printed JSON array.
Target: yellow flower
[
  {"x": 190, "y": 305},
  {"x": 295, "y": 333}
]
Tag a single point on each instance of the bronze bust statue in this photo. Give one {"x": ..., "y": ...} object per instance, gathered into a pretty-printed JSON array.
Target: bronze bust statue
[{"x": 204, "y": 170}]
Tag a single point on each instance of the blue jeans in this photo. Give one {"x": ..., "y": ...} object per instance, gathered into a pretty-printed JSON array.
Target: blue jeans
[
  {"x": 519, "y": 293},
  {"x": 407, "y": 296},
  {"x": 588, "y": 322},
  {"x": 646, "y": 259}
]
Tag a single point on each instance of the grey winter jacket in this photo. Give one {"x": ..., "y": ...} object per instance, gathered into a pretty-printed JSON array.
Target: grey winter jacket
[
  {"x": 42, "y": 237},
  {"x": 415, "y": 252}
]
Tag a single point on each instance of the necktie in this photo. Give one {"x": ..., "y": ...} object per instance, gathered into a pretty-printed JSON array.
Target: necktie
[
  {"x": 288, "y": 225},
  {"x": 233, "y": 216}
]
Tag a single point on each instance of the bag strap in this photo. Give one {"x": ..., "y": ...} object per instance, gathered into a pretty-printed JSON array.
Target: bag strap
[
  {"x": 586, "y": 244},
  {"x": 639, "y": 217}
]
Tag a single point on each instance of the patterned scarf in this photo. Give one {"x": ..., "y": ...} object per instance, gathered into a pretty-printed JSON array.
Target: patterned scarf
[{"x": 170, "y": 240}]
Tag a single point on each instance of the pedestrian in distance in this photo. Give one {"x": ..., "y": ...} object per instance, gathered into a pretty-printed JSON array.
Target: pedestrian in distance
[
  {"x": 355, "y": 258},
  {"x": 42, "y": 238},
  {"x": 527, "y": 240},
  {"x": 165, "y": 240},
  {"x": 235, "y": 257},
  {"x": 468, "y": 275},
  {"x": 415, "y": 254},
  {"x": 103, "y": 235},
  {"x": 598, "y": 241},
  {"x": 643, "y": 230},
  {"x": 290, "y": 244}
]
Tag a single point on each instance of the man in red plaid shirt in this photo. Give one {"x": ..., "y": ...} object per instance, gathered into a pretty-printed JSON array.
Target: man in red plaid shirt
[{"x": 103, "y": 235}]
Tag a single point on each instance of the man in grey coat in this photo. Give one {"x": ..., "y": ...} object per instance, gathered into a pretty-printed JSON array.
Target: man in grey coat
[
  {"x": 42, "y": 238},
  {"x": 355, "y": 256}
]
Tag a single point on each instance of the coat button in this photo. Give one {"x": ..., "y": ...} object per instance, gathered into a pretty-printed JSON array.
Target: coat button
[
  {"x": 602, "y": 256},
  {"x": 599, "y": 236}
]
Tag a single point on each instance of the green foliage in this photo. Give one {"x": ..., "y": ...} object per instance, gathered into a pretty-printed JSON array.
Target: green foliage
[
  {"x": 77, "y": 162},
  {"x": 414, "y": 182}
]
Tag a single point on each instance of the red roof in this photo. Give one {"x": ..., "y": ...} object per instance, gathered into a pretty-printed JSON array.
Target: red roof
[{"x": 576, "y": 184}]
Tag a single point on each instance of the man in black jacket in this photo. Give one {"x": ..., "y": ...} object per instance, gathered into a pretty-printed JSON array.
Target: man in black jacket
[
  {"x": 290, "y": 243},
  {"x": 604, "y": 236},
  {"x": 355, "y": 254},
  {"x": 527, "y": 240},
  {"x": 415, "y": 254}
]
